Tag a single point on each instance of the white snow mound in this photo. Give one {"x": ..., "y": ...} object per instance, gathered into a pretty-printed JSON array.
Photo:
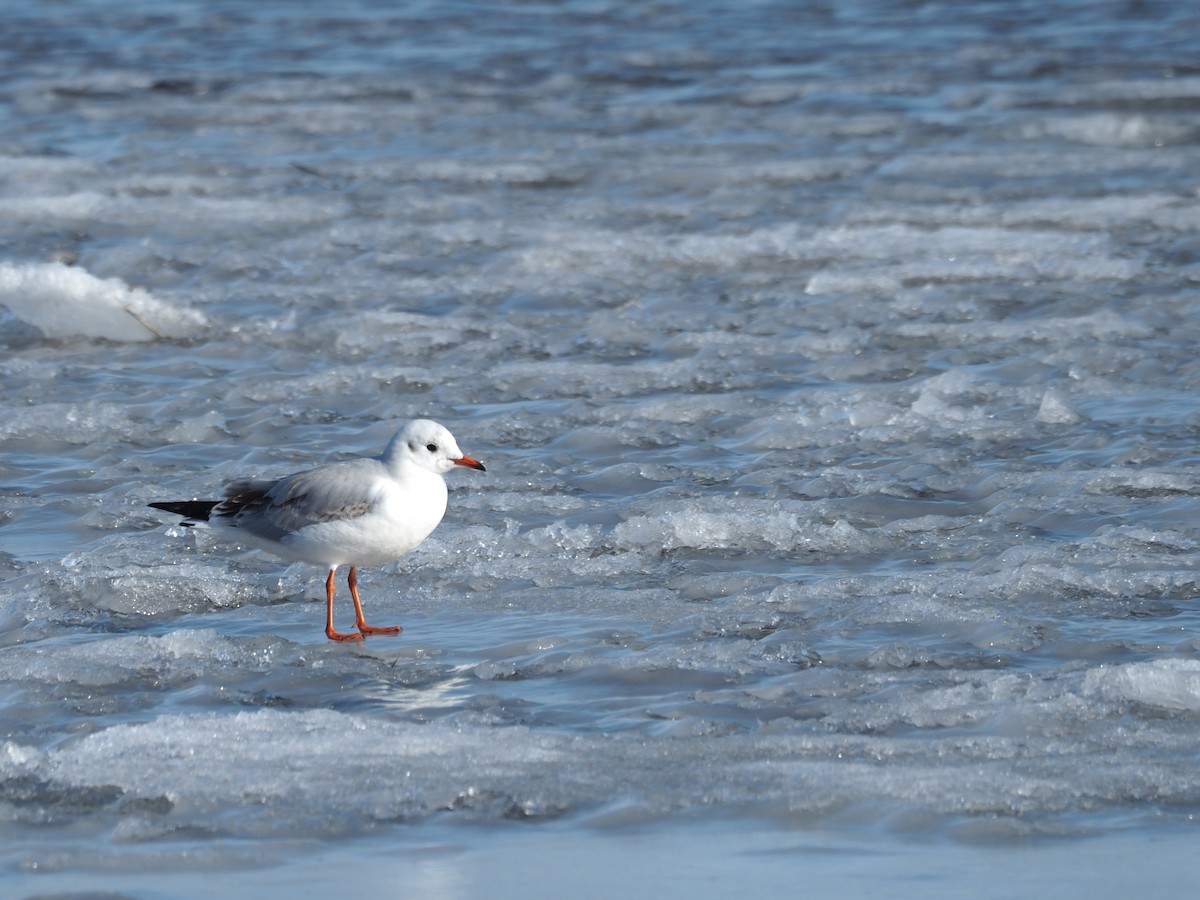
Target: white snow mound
[{"x": 64, "y": 301}]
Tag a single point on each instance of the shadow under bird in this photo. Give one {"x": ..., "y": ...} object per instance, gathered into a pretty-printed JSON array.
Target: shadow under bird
[{"x": 358, "y": 512}]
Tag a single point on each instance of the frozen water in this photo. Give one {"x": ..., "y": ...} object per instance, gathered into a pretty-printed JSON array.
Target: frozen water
[
  {"x": 65, "y": 302},
  {"x": 834, "y": 368}
]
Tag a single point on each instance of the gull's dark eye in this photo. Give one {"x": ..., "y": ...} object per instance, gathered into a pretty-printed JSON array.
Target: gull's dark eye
[{"x": 432, "y": 448}]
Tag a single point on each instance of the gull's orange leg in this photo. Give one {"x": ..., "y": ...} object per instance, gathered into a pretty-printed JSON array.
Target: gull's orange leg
[
  {"x": 352, "y": 581},
  {"x": 329, "y": 629}
]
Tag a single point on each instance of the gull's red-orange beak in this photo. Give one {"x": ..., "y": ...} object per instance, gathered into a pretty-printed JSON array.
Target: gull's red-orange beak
[{"x": 469, "y": 463}]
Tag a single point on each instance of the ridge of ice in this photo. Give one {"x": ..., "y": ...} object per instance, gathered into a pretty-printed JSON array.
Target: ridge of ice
[
  {"x": 1172, "y": 684},
  {"x": 65, "y": 301}
]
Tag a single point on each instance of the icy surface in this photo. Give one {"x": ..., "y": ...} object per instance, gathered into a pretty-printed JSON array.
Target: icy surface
[
  {"x": 834, "y": 367},
  {"x": 66, "y": 302}
]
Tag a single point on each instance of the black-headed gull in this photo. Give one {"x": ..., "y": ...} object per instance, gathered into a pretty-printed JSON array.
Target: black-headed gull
[{"x": 359, "y": 512}]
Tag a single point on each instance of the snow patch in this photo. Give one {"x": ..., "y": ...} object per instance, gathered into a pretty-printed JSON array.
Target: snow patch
[{"x": 64, "y": 301}]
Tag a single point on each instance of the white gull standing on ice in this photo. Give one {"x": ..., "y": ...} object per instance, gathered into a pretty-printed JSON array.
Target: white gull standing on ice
[{"x": 359, "y": 512}]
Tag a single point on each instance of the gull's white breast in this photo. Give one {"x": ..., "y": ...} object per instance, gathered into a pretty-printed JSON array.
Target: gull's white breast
[{"x": 402, "y": 513}]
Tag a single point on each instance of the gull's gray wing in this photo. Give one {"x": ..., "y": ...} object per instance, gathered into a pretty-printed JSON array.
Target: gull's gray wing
[{"x": 274, "y": 509}]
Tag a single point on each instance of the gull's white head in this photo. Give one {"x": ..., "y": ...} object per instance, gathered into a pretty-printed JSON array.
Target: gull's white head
[{"x": 430, "y": 446}]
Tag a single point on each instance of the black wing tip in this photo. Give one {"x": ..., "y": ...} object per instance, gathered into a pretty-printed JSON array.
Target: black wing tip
[{"x": 189, "y": 509}]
